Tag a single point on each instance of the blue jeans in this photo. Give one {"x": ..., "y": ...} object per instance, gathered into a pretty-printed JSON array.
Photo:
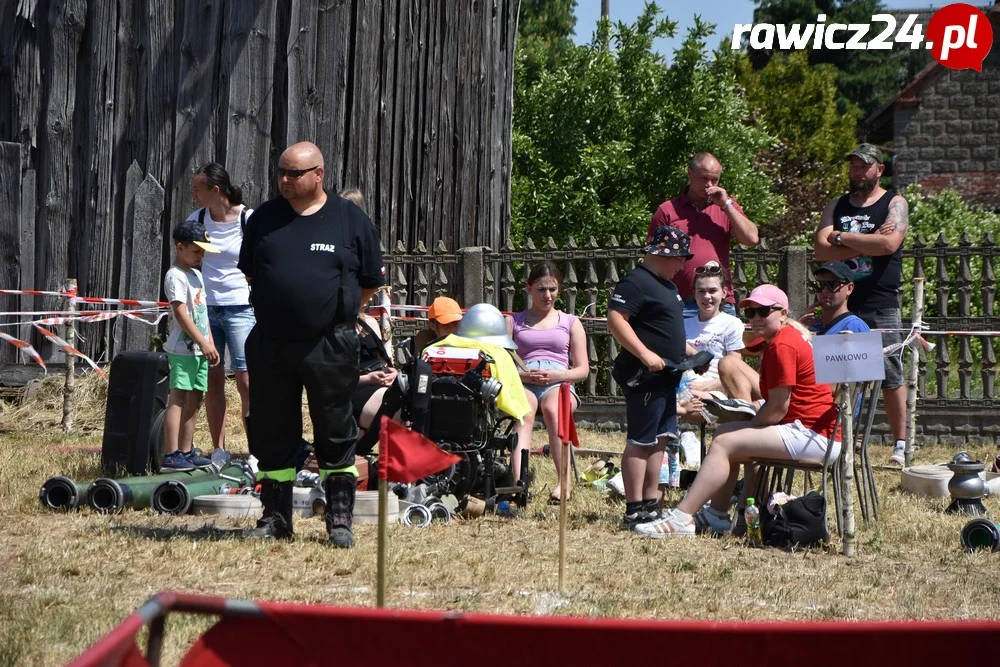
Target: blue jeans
[
  {"x": 691, "y": 309},
  {"x": 230, "y": 327}
]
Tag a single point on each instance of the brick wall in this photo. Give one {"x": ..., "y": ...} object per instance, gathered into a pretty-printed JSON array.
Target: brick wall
[{"x": 949, "y": 137}]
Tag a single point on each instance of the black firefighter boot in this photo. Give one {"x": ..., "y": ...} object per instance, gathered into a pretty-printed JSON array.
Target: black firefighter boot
[
  {"x": 340, "y": 509},
  {"x": 276, "y": 497}
]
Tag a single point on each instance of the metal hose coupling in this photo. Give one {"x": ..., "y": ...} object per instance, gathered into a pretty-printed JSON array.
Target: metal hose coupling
[
  {"x": 439, "y": 512},
  {"x": 417, "y": 516}
]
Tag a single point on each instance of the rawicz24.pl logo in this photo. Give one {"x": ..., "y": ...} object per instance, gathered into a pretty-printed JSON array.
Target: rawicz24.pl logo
[{"x": 959, "y": 36}]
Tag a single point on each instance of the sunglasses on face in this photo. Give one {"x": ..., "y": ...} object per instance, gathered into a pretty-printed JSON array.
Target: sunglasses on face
[
  {"x": 759, "y": 311},
  {"x": 711, "y": 270},
  {"x": 827, "y": 285},
  {"x": 295, "y": 173}
]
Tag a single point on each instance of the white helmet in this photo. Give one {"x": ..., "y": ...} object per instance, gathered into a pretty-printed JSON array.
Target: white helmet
[{"x": 485, "y": 323}]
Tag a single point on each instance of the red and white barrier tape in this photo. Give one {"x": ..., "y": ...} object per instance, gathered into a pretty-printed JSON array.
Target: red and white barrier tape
[
  {"x": 26, "y": 348},
  {"x": 69, "y": 349},
  {"x": 37, "y": 292},
  {"x": 119, "y": 302}
]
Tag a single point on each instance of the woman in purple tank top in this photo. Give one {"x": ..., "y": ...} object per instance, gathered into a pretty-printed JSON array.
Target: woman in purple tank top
[{"x": 553, "y": 346}]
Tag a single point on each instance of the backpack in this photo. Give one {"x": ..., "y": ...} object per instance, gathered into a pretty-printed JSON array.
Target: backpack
[
  {"x": 243, "y": 219},
  {"x": 801, "y": 522}
]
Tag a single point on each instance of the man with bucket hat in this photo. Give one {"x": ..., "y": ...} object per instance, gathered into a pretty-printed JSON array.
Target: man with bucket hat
[
  {"x": 646, "y": 317},
  {"x": 865, "y": 229}
]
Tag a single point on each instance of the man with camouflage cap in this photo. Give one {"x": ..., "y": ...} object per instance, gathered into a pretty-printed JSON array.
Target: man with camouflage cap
[{"x": 865, "y": 228}]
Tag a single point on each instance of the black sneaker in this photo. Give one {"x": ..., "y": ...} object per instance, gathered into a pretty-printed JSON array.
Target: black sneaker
[
  {"x": 730, "y": 409},
  {"x": 630, "y": 521}
]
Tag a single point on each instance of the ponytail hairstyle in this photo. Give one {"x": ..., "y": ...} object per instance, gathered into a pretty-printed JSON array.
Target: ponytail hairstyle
[
  {"x": 798, "y": 326},
  {"x": 217, "y": 176}
]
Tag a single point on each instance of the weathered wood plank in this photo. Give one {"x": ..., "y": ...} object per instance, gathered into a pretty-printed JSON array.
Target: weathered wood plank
[
  {"x": 25, "y": 76},
  {"x": 446, "y": 176},
  {"x": 465, "y": 157},
  {"x": 506, "y": 98},
  {"x": 91, "y": 251},
  {"x": 156, "y": 33},
  {"x": 303, "y": 97},
  {"x": 362, "y": 137},
  {"x": 27, "y": 255},
  {"x": 385, "y": 160},
  {"x": 197, "y": 94},
  {"x": 10, "y": 237},
  {"x": 485, "y": 147},
  {"x": 133, "y": 177},
  {"x": 146, "y": 243},
  {"x": 248, "y": 51},
  {"x": 58, "y": 171},
  {"x": 402, "y": 132},
  {"x": 430, "y": 140},
  {"x": 333, "y": 62},
  {"x": 130, "y": 142},
  {"x": 418, "y": 223}
]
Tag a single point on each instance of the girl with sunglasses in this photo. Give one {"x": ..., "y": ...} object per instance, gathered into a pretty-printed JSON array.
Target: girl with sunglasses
[{"x": 794, "y": 423}]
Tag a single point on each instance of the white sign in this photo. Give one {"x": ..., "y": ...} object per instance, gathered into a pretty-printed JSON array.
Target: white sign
[{"x": 855, "y": 357}]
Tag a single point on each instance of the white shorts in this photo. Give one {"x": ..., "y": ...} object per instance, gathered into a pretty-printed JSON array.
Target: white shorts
[{"x": 804, "y": 444}]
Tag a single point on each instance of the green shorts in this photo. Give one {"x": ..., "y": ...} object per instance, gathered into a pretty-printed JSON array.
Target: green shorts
[{"x": 188, "y": 372}]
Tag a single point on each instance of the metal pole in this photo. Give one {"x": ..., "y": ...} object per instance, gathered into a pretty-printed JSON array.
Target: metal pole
[
  {"x": 911, "y": 372},
  {"x": 847, "y": 468},
  {"x": 563, "y": 474},
  {"x": 383, "y": 502},
  {"x": 70, "y": 335}
]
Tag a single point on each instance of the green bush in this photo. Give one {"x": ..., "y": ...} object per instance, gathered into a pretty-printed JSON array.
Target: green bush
[{"x": 604, "y": 136}]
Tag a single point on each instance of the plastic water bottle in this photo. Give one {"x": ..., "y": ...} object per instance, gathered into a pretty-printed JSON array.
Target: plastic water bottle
[
  {"x": 752, "y": 516},
  {"x": 684, "y": 394}
]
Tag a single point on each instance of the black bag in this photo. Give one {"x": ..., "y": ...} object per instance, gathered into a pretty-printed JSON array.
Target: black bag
[{"x": 800, "y": 523}]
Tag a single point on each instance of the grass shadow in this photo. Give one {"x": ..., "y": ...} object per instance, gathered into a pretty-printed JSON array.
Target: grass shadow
[{"x": 209, "y": 533}]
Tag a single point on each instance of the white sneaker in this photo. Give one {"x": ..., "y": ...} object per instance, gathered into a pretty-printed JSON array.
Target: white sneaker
[
  {"x": 707, "y": 520},
  {"x": 898, "y": 455},
  {"x": 668, "y": 526}
]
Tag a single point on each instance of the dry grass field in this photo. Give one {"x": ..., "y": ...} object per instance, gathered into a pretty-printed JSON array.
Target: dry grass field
[{"x": 69, "y": 578}]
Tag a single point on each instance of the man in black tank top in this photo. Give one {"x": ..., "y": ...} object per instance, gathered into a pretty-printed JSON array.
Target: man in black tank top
[{"x": 866, "y": 228}]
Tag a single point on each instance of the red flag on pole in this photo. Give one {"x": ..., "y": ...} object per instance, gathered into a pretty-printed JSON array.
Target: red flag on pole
[
  {"x": 567, "y": 427},
  {"x": 406, "y": 456}
]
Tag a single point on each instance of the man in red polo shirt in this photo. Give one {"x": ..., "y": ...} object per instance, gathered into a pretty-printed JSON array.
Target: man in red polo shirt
[{"x": 707, "y": 213}]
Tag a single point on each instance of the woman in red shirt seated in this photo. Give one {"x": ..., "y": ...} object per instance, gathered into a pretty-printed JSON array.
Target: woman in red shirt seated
[{"x": 794, "y": 423}]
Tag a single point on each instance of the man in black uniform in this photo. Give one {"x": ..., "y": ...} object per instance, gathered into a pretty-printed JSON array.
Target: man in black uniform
[
  {"x": 311, "y": 260},
  {"x": 865, "y": 228}
]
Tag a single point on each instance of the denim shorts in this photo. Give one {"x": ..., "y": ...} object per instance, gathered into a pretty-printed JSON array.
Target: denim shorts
[
  {"x": 651, "y": 416},
  {"x": 544, "y": 365},
  {"x": 887, "y": 318},
  {"x": 230, "y": 327}
]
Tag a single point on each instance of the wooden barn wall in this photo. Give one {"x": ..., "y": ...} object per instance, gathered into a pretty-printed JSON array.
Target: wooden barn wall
[{"x": 109, "y": 106}]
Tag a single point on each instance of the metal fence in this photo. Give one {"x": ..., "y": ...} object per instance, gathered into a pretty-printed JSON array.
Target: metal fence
[{"x": 960, "y": 287}]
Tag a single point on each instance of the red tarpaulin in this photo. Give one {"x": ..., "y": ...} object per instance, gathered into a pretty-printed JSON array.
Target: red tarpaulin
[{"x": 270, "y": 633}]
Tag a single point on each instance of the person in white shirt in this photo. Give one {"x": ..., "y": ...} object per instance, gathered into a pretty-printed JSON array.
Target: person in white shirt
[
  {"x": 230, "y": 314},
  {"x": 721, "y": 334}
]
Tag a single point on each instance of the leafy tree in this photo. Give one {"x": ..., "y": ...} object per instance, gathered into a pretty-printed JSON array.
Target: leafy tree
[
  {"x": 867, "y": 78},
  {"x": 798, "y": 104},
  {"x": 605, "y": 137},
  {"x": 544, "y": 35}
]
